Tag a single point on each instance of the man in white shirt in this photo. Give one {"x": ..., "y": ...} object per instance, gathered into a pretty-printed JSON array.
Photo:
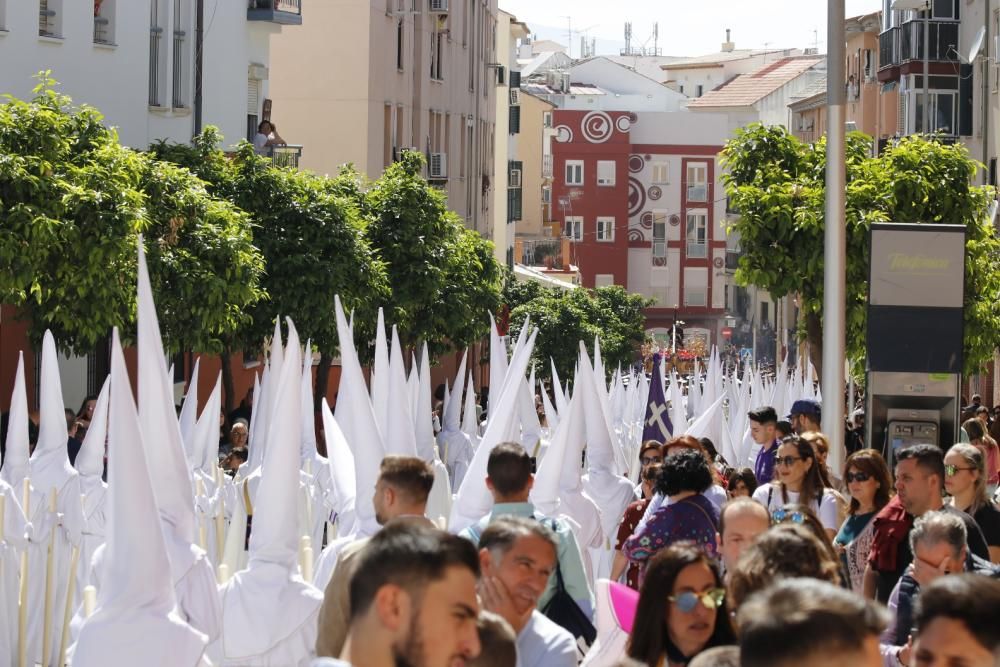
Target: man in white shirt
[
  {"x": 518, "y": 555},
  {"x": 413, "y": 600}
]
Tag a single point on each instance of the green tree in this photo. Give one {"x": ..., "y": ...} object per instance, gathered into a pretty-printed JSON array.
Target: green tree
[
  {"x": 777, "y": 184},
  {"x": 311, "y": 235},
  {"x": 72, "y": 202},
  {"x": 444, "y": 278},
  {"x": 566, "y": 317}
]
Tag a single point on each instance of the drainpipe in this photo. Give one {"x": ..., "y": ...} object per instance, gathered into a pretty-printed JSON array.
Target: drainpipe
[
  {"x": 199, "y": 43},
  {"x": 986, "y": 97}
]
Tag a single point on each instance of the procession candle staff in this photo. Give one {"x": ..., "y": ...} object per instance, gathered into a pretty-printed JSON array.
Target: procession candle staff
[
  {"x": 22, "y": 601},
  {"x": 220, "y": 517},
  {"x": 68, "y": 611},
  {"x": 49, "y": 592}
]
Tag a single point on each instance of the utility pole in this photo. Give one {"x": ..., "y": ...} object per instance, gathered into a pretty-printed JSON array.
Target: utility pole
[{"x": 835, "y": 234}]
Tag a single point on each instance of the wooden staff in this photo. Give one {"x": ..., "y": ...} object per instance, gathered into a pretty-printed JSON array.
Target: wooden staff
[
  {"x": 89, "y": 600},
  {"x": 49, "y": 592},
  {"x": 309, "y": 503},
  {"x": 68, "y": 612},
  {"x": 222, "y": 572},
  {"x": 220, "y": 515},
  {"x": 22, "y": 601},
  {"x": 306, "y": 557}
]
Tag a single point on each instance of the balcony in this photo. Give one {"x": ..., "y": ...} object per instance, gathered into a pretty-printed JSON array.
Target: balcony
[
  {"x": 547, "y": 166},
  {"x": 284, "y": 156},
  {"x": 283, "y": 12},
  {"x": 905, "y": 43},
  {"x": 697, "y": 250},
  {"x": 698, "y": 192}
]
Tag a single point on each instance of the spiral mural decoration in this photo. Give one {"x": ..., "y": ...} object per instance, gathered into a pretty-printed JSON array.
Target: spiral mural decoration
[
  {"x": 636, "y": 196},
  {"x": 597, "y": 127},
  {"x": 636, "y": 163}
]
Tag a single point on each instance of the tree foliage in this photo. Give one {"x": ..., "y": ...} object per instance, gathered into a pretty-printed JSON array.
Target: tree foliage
[
  {"x": 565, "y": 317},
  {"x": 72, "y": 202},
  {"x": 444, "y": 278},
  {"x": 777, "y": 184}
]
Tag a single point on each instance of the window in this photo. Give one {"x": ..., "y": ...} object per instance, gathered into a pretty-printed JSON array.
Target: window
[
  {"x": 764, "y": 312},
  {"x": 546, "y": 119},
  {"x": 437, "y": 55},
  {"x": 157, "y": 64},
  {"x": 253, "y": 107},
  {"x": 399, "y": 45},
  {"x": 697, "y": 181},
  {"x": 606, "y": 229},
  {"x": 681, "y": 88},
  {"x": 695, "y": 296},
  {"x": 574, "y": 172},
  {"x": 659, "y": 234},
  {"x": 389, "y": 150},
  {"x": 604, "y": 280},
  {"x": 104, "y": 22},
  {"x": 696, "y": 236},
  {"x": 606, "y": 173},
  {"x": 574, "y": 227},
  {"x": 546, "y": 195},
  {"x": 661, "y": 172},
  {"x": 514, "y": 114},
  {"x": 178, "y": 84},
  {"x": 701, "y": 90},
  {"x": 50, "y": 18},
  {"x": 943, "y": 100}
]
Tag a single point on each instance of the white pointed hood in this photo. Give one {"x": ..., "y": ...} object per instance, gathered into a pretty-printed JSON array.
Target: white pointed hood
[
  {"x": 470, "y": 416},
  {"x": 258, "y": 420},
  {"x": 49, "y": 465},
  {"x": 551, "y": 416},
  {"x": 557, "y": 391},
  {"x": 453, "y": 406},
  {"x": 17, "y": 446},
  {"x": 381, "y": 377},
  {"x": 342, "y": 471},
  {"x": 188, "y": 418},
  {"x": 563, "y": 456},
  {"x": 423, "y": 419},
  {"x": 252, "y": 426},
  {"x": 498, "y": 366},
  {"x": 135, "y": 621},
  {"x": 357, "y": 421},
  {"x": 473, "y": 500},
  {"x": 90, "y": 459},
  {"x": 400, "y": 437},
  {"x": 531, "y": 429},
  {"x": 206, "y": 437},
  {"x": 158, "y": 420},
  {"x": 307, "y": 444}
]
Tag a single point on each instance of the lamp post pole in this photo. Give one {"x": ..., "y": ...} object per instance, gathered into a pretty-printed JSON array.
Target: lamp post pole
[{"x": 835, "y": 253}]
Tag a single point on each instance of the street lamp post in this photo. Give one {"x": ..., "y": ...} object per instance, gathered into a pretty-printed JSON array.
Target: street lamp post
[{"x": 835, "y": 235}]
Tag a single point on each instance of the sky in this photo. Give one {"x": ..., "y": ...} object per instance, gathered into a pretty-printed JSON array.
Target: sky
[{"x": 686, "y": 28}]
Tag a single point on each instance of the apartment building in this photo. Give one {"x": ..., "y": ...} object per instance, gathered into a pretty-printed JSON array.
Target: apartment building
[
  {"x": 363, "y": 80},
  {"x": 137, "y": 61}
]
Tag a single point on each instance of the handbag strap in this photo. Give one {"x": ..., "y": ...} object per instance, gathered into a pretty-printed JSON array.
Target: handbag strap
[
  {"x": 560, "y": 584},
  {"x": 702, "y": 509}
]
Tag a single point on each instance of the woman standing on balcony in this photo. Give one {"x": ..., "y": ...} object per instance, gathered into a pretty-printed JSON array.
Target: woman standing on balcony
[{"x": 267, "y": 135}]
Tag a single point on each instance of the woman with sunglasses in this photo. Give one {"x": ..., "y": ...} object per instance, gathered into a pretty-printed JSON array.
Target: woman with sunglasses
[
  {"x": 980, "y": 438},
  {"x": 797, "y": 479},
  {"x": 965, "y": 481},
  {"x": 867, "y": 479},
  {"x": 680, "y": 611}
]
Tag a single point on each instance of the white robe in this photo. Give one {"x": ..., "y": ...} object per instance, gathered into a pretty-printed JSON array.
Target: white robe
[{"x": 15, "y": 529}]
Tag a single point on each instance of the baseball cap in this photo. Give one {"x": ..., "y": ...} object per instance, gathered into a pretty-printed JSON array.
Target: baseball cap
[{"x": 806, "y": 406}]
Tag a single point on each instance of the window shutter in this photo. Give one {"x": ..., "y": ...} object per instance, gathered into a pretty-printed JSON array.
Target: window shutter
[
  {"x": 515, "y": 79},
  {"x": 253, "y": 97},
  {"x": 965, "y": 101},
  {"x": 515, "y": 120}
]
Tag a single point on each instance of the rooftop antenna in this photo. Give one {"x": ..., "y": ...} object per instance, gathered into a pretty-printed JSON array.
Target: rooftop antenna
[
  {"x": 656, "y": 39},
  {"x": 569, "y": 35},
  {"x": 628, "y": 39}
]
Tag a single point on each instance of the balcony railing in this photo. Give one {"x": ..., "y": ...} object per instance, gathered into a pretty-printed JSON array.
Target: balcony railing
[
  {"x": 101, "y": 30},
  {"x": 285, "y": 12},
  {"x": 906, "y": 42},
  {"x": 546, "y": 166},
  {"x": 155, "y": 33},
  {"x": 46, "y": 20},
  {"x": 177, "y": 86},
  {"x": 542, "y": 252},
  {"x": 284, "y": 156},
  {"x": 697, "y": 250}
]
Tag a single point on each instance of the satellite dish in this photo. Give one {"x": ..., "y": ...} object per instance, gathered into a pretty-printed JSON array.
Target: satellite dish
[{"x": 977, "y": 45}]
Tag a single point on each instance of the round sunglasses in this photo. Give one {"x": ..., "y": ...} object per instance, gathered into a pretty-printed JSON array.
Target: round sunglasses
[
  {"x": 687, "y": 601},
  {"x": 783, "y": 515}
]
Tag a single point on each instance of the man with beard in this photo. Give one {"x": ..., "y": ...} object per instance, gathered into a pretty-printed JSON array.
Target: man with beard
[
  {"x": 412, "y": 601},
  {"x": 518, "y": 555},
  {"x": 401, "y": 492}
]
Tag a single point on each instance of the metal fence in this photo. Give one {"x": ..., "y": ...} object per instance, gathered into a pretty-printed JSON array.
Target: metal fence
[{"x": 285, "y": 156}]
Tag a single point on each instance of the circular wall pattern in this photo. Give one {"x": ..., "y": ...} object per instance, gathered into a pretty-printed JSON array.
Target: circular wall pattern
[
  {"x": 564, "y": 134},
  {"x": 633, "y": 117},
  {"x": 597, "y": 127},
  {"x": 636, "y": 163},
  {"x": 655, "y": 192},
  {"x": 717, "y": 262},
  {"x": 623, "y": 123},
  {"x": 659, "y": 261},
  {"x": 646, "y": 220},
  {"x": 635, "y": 235},
  {"x": 675, "y": 220},
  {"x": 636, "y": 196}
]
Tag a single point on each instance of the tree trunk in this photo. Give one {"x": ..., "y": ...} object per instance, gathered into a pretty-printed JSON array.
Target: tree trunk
[
  {"x": 322, "y": 378},
  {"x": 227, "y": 381},
  {"x": 814, "y": 335}
]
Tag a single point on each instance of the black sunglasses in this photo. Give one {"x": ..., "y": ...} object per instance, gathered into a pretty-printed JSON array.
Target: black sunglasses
[{"x": 857, "y": 477}]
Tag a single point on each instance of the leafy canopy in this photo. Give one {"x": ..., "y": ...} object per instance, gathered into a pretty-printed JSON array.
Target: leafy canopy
[{"x": 777, "y": 184}]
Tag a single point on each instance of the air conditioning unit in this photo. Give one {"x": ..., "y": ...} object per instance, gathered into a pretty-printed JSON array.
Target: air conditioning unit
[
  {"x": 565, "y": 82},
  {"x": 514, "y": 180},
  {"x": 439, "y": 6},
  {"x": 552, "y": 78},
  {"x": 515, "y": 96},
  {"x": 605, "y": 181},
  {"x": 438, "y": 165}
]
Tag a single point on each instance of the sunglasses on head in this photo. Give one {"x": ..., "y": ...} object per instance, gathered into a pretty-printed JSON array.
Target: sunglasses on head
[
  {"x": 857, "y": 477},
  {"x": 687, "y": 601},
  {"x": 951, "y": 471},
  {"x": 650, "y": 460},
  {"x": 783, "y": 515},
  {"x": 787, "y": 461}
]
